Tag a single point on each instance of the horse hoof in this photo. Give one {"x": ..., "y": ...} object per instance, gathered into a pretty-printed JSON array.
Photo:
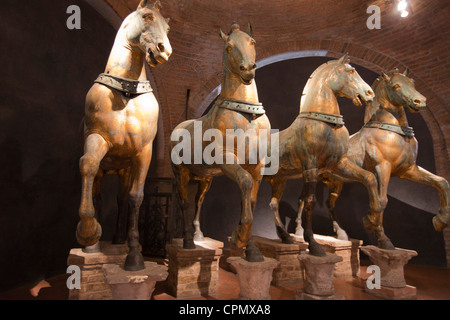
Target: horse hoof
[
  {"x": 134, "y": 261},
  {"x": 188, "y": 244},
  {"x": 252, "y": 253},
  {"x": 316, "y": 250},
  {"x": 198, "y": 236},
  {"x": 88, "y": 234},
  {"x": 284, "y": 236},
  {"x": 438, "y": 224}
]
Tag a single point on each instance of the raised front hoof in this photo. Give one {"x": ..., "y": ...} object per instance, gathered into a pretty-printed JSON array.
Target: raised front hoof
[
  {"x": 316, "y": 250},
  {"x": 253, "y": 254},
  {"x": 188, "y": 244},
  {"x": 284, "y": 236},
  {"x": 134, "y": 261},
  {"x": 438, "y": 224},
  {"x": 88, "y": 234}
]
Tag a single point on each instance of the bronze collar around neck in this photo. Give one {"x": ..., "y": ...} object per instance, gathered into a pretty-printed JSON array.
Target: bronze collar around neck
[
  {"x": 404, "y": 131},
  {"x": 127, "y": 86},
  {"x": 243, "y": 106}
]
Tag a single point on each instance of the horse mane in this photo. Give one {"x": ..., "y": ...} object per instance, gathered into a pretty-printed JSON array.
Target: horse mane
[{"x": 377, "y": 87}]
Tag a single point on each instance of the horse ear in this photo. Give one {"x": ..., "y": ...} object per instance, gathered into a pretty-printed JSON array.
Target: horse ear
[
  {"x": 345, "y": 59},
  {"x": 250, "y": 29},
  {"x": 406, "y": 72},
  {"x": 143, "y": 4},
  {"x": 167, "y": 20},
  {"x": 223, "y": 36},
  {"x": 385, "y": 77},
  {"x": 157, "y": 5}
]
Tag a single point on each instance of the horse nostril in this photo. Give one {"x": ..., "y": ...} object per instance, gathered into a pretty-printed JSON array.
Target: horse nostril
[
  {"x": 254, "y": 66},
  {"x": 161, "y": 47},
  {"x": 370, "y": 93},
  {"x": 416, "y": 101},
  {"x": 242, "y": 68}
]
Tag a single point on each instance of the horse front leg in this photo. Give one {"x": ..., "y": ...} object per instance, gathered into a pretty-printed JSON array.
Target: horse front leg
[
  {"x": 182, "y": 178},
  {"x": 420, "y": 175},
  {"x": 139, "y": 169},
  {"x": 373, "y": 222},
  {"x": 310, "y": 178},
  {"x": 244, "y": 180},
  {"x": 278, "y": 186},
  {"x": 203, "y": 187},
  {"x": 89, "y": 230},
  {"x": 120, "y": 235}
]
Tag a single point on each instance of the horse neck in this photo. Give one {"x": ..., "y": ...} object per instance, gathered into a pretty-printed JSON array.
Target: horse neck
[
  {"x": 126, "y": 60},
  {"x": 233, "y": 88},
  {"x": 383, "y": 110},
  {"x": 319, "y": 97}
]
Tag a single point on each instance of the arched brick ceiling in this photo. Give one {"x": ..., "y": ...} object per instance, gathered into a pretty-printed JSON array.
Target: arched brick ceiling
[{"x": 421, "y": 42}]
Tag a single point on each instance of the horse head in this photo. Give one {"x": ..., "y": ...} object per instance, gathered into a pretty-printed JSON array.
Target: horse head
[
  {"x": 347, "y": 82},
  {"x": 400, "y": 90},
  {"x": 148, "y": 30},
  {"x": 239, "y": 53}
]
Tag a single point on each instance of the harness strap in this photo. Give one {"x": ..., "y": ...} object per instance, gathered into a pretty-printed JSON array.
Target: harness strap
[
  {"x": 124, "y": 85},
  {"x": 243, "y": 106},
  {"x": 404, "y": 131},
  {"x": 337, "y": 120}
]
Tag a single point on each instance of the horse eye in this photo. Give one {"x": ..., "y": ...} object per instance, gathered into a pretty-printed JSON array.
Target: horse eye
[
  {"x": 148, "y": 17},
  {"x": 396, "y": 87},
  {"x": 229, "y": 48}
]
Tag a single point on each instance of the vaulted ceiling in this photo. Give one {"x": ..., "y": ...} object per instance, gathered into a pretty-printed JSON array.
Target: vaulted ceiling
[{"x": 420, "y": 42}]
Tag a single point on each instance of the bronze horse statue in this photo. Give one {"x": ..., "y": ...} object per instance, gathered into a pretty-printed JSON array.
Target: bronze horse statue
[
  {"x": 237, "y": 107},
  {"x": 386, "y": 146},
  {"x": 120, "y": 123},
  {"x": 317, "y": 142}
]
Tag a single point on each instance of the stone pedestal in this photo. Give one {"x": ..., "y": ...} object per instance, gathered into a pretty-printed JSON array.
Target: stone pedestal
[
  {"x": 348, "y": 250},
  {"x": 254, "y": 277},
  {"x": 193, "y": 272},
  {"x": 289, "y": 269},
  {"x": 392, "y": 277},
  {"x": 93, "y": 286},
  {"x": 133, "y": 285},
  {"x": 318, "y": 277}
]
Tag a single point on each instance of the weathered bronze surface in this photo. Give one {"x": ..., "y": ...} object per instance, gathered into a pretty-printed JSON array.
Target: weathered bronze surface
[
  {"x": 317, "y": 142},
  {"x": 119, "y": 126},
  {"x": 391, "y": 150},
  {"x": 238, "y": 85}
]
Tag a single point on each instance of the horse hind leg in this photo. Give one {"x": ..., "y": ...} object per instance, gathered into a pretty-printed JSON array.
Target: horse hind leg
[
  {"x": 335, "y": 189},
  {"x": 203, "y": 187},
  {"x": 277, "y": 192},
  {"x": 89, "y": 230}
]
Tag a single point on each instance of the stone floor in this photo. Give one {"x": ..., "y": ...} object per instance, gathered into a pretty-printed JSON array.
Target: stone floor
[{"x": 432, "y": 284}]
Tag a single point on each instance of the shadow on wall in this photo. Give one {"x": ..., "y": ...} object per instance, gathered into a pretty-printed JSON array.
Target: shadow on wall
[
  {"x": 46, "y": 73},
  {"x": 407, "y": 220}
]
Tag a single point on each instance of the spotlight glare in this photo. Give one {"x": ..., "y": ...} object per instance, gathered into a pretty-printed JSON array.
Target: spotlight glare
[
  {"x": 402, "y": 5},
  {"x": 404, "y": 14}
]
